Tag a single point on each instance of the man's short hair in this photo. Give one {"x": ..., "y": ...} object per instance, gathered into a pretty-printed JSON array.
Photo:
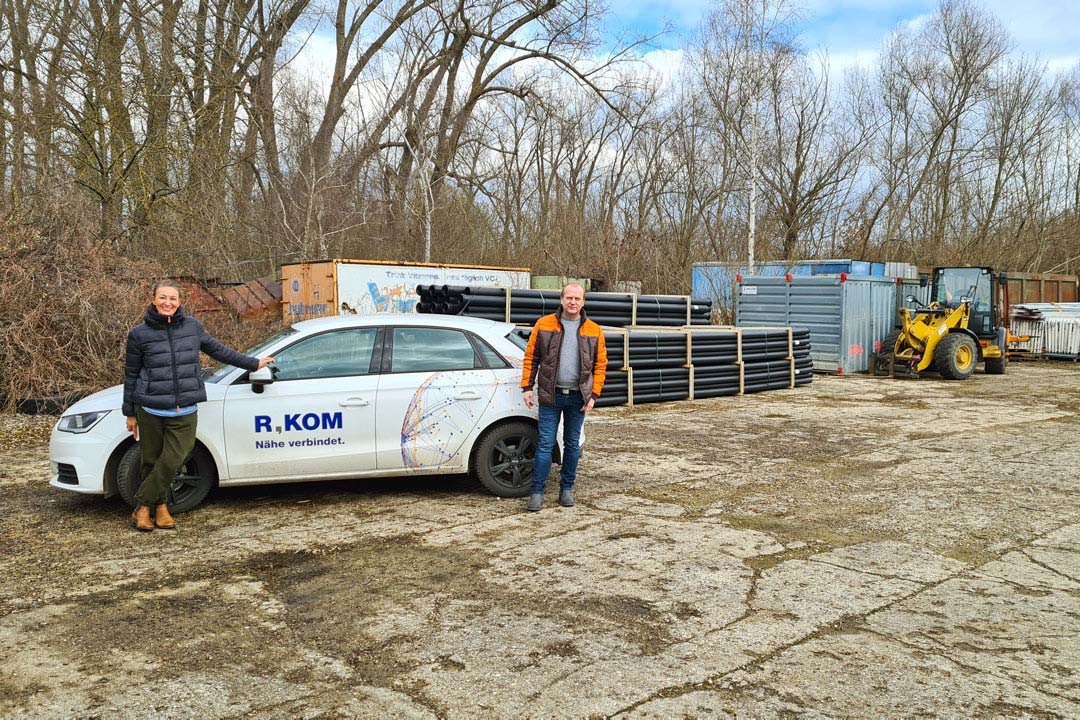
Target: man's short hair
[{"x": 562, "y": 293}]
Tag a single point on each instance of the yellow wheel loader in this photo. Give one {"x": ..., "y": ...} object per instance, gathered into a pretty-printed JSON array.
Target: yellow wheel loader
[{"x": 963, "y": 325}]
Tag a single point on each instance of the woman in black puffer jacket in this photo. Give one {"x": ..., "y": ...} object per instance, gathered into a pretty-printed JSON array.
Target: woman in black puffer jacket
[{"x": 162, "y": 389}]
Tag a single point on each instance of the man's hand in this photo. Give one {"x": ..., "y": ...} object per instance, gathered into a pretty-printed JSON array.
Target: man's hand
[
  {"x": 588, "y": 406},
  {"x": 133, "y": 427},
  {"x": 527, "y": 396},
  {"x": 264, "y": 361}
]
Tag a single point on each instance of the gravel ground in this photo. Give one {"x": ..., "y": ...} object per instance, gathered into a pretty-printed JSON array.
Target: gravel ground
[{"x": 861, "y": 547}]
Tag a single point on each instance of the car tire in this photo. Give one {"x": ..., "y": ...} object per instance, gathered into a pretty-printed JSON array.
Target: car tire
[
  {"x": 189, "y": 488},
  {"x": 503, "y": 459}
]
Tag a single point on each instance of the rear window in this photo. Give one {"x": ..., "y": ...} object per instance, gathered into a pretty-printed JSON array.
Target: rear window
[
  {"x": 519, "y": 336},
  {"x": 426, "y": 349}
]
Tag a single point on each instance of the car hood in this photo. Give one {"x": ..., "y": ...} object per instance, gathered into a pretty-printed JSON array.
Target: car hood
[
  {"x": 107, "y": 399},
  {"x": 112, "y": 398}
]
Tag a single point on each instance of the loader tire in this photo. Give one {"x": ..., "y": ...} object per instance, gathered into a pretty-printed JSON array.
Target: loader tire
[
  {"x": 955, "y": 356},
  {"x": 996, "y": 366},
  {"x": 889, "y": 343},
  {"x": 885, "y": 351}
]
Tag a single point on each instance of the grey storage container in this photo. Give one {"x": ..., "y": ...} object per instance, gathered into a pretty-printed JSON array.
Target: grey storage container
[
  {"x": 847, "y": 316},
  {"x": 717, "y": 281}
]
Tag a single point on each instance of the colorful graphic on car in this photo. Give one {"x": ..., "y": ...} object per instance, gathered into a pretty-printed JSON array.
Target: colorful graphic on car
[{"x": 436, "y": 421}]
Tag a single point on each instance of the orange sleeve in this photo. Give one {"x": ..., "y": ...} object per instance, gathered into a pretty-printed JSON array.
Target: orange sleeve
[
  {"x": 528, "y": 365},
  {"x": 600, "y": 369}
]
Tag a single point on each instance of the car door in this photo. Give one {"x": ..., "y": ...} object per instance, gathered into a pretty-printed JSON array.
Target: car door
[
  {"x": 433, "y": 390},
  {"x": 316, "y": 420}
]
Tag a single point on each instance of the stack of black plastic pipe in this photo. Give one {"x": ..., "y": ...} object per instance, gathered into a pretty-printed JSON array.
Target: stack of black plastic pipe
[
  {"x": 528, "y": 306},
  {"x": 661, "y": 361}
]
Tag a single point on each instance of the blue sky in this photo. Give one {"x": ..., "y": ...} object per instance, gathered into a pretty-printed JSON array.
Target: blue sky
[
  {"x": 853, "y": 30},
  {"x": 849, "y": 31}
]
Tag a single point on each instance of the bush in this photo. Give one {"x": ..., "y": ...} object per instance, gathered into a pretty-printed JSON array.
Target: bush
[
  {"x": 67, "y": 302},
  {"x": 66, "y": 305}
]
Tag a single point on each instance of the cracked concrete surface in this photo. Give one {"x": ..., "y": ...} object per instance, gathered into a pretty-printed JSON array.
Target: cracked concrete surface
[{"x": 857, "y": 548}]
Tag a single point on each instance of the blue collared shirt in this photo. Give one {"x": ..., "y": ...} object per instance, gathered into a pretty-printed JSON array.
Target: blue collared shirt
[{"x": 172, "y": 412}]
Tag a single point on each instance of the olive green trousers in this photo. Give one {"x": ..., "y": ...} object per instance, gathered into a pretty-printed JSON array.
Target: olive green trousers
[{"x": 166, "y": 442}]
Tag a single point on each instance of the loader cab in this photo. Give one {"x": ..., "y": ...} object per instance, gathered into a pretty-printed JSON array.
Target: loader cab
[{"x": 974, "y": 285}]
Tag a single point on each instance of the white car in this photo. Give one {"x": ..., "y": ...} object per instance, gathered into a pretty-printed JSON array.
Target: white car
[{"x": 350, "y": 396}]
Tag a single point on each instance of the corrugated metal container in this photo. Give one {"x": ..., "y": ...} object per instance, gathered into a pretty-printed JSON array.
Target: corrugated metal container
[
  {"x": 910, "y": 287},
  {"x": 901, "y": 270},
  {"x": 716, "y": 281},
  {"x": 1042, "y": 288},
  {"x": 847, "y": 317}
]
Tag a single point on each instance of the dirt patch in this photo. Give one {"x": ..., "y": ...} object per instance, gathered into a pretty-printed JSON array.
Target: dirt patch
[{"x": 701, "y": 548}]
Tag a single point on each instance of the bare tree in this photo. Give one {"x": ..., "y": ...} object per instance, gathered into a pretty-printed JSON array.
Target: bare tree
[{"x": 742, "y": 40}]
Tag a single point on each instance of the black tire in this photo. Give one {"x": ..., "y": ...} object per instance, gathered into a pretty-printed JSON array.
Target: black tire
[
  {"x": 189, "y": 488},
  {"x": 880, "y": 363},
  {"x": 996, "y": 366},
  {"x": 956, "y": 356},
  {"x": 503, "y": 459},
  {"x": 889, "y": 342}
]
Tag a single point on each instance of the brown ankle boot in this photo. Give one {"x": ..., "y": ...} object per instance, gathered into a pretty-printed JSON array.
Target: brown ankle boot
[
  {"x": 140, "y": 518},
  {"x": 163, "y": 519}
]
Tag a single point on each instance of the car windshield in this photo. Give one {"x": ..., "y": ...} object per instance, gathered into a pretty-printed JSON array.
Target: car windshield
[{"x": 217, "y": 371}]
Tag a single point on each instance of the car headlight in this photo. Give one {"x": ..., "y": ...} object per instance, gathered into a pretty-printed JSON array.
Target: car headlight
[{"x": 80, "y": 422}]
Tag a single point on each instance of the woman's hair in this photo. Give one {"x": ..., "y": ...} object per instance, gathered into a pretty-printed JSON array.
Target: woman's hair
[{"x": 164, "y": 283}]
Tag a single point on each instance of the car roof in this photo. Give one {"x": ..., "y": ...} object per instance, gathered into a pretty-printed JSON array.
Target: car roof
[{"x": 462, "y": 322}]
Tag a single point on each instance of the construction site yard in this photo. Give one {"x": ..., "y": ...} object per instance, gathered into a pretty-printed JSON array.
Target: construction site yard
[{"x": 858, "y": 547}]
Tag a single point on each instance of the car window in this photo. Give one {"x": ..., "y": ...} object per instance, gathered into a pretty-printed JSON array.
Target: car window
[
  {"x": 491, "y": 358},
  {"x": 214, "y": 373},
  {"x": 330, "y": 354},
  {"x": 421, "y": 349}
]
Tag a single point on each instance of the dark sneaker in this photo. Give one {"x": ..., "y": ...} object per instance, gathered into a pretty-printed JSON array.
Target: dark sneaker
[
  {"x": 566, "y": 498},
  {"x": 536, "y": 501}
]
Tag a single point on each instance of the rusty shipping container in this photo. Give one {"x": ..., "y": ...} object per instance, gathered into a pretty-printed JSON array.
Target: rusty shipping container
[{"x": 335, "y": 287}]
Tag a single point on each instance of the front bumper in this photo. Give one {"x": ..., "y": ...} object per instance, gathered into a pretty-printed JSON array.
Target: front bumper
[{"x": 78, "y": 461}]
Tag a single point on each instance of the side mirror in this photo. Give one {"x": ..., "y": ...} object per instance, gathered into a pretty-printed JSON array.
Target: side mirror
[
  {"x": 923, "y": 281},
  {"x": 1003, "y": 278},
  {"x": 260, "y": 378}
]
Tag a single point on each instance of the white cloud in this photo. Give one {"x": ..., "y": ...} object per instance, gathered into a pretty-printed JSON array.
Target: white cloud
[
  {"x": 664, "y": 65},
  {"x": 1047, "y": 29},
  {"x": 852, "y": 30},
  {"x": 838, "y": 63},
  {"x": 314, "y": 62}
]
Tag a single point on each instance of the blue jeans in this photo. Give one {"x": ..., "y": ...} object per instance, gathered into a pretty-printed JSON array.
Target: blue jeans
[{"x": 568, "y": 408}]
